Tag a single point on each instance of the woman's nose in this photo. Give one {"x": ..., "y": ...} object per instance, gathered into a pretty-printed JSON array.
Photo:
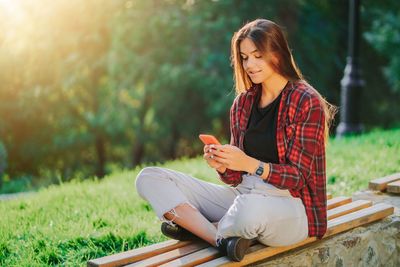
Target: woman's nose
[{"x": 249, "y": 64}]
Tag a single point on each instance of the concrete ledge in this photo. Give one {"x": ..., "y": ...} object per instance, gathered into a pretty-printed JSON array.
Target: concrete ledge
[{"x": 375, "y": 244}]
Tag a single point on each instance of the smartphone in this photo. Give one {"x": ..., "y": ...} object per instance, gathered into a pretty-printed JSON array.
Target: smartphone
[{"x": 209, "y": 139}]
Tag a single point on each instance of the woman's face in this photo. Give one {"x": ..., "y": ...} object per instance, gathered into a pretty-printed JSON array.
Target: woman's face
[{"x": 254, "y": 64}]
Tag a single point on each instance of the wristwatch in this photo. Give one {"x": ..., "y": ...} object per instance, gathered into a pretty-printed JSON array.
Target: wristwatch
[{"x": 260, "y": 169}]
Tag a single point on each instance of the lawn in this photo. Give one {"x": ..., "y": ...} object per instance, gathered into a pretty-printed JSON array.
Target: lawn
[{"x": 71, "y": 223}]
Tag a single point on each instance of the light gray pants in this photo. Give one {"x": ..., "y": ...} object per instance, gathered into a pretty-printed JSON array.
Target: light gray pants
[{"x": 254, "y": 209}]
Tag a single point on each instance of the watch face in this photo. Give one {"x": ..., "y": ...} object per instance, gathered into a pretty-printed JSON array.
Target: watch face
[{"x": 259, "y": 171}]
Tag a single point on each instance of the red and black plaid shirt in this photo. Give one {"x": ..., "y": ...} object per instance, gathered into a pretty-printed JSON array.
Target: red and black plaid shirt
[{"x": 300, "y": 144}]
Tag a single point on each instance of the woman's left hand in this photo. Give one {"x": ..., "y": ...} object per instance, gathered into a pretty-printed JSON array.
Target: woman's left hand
[{"x": 231, "y": 157}]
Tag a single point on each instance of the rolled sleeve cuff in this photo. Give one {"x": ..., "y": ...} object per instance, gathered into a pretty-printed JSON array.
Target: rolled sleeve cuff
[{"x": 269, "y": 173}]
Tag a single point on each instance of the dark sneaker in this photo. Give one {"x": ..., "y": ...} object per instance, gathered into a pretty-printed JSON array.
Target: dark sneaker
[
  {"x": 177, "y": 232},
  {"x": 221, "y": 245},
  {"x": 234, "y": 247}
]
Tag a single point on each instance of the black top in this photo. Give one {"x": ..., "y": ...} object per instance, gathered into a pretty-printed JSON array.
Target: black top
[{"x": 260, "y": 137}]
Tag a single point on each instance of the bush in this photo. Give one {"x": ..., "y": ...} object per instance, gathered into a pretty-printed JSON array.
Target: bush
[
  {"x": 17, "y": 184},
  {"x": 384, "y": 36},
  {"x": 3, "y": 162}
]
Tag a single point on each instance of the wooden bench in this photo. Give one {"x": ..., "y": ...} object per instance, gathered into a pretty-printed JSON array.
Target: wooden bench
[
  {"x": 343, "y": 214},
  {"x": 390, "y": 183}
]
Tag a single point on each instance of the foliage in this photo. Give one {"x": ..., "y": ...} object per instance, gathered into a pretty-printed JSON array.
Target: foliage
[
  {"x": 88, "y": 85},
  {"x": 77, "y": 221},
  {"x": 16, "y": 185},
  {"x": 384, "y": 36},
  {"x": 3, "y": 162}
]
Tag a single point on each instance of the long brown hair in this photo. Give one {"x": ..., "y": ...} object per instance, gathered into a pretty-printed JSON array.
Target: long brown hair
[{"x": 269, "y": 39}]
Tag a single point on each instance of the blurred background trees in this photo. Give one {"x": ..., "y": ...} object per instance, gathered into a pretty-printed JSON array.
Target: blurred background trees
[{"x": 89, "y": 86}]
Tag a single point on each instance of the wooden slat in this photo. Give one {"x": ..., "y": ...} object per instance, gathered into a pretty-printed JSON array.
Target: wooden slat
[
  {"x": 170, "y": 255},
  {"x": 198, "y": 257},
  {"x": 348, "y": 208},
  {"x": 194, "y": 259},
  {"x": 358, "y": 218},
  {"x": 380, "y": 184},
  {"x": 335, "y": 226},
  {"x": 394, "y": 187},
  {"x": 337, "y": 201},
  {"x": 328, "y": 195},
  {"x": 136, "y": 254}
]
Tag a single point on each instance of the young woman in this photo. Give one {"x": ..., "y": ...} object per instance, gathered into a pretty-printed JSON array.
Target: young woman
[{"x": 274, "y": 164}]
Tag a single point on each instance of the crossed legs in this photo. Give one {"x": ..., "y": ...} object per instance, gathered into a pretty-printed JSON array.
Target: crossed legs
[
  {"x": 185, "y": 200},
  {"x": 192, "y": 220}
]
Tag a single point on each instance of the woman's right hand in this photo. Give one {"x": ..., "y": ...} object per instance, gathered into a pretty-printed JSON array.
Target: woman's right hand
[{"x": 208, "y": 156}]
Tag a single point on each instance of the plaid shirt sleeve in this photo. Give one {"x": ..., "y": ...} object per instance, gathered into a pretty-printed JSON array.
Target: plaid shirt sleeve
[
  {"x": 232, "y": 177},
  {"x": 303, "y": 146}
]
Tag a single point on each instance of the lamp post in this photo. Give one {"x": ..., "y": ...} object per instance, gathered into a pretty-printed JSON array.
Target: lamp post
[{"x": 351, "y": 83}]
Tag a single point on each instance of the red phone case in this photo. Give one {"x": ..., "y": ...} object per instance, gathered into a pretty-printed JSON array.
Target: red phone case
[{"x": 209, "y": 139}]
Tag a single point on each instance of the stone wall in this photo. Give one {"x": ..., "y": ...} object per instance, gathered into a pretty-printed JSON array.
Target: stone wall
[{"x": 374, "y": 244}]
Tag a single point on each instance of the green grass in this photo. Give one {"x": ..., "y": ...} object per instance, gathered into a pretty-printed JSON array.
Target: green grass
[{"x": 74, "y": 222}]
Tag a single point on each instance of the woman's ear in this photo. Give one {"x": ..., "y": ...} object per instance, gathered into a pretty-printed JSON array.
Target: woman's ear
[{"x": 274, "y": 59}]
